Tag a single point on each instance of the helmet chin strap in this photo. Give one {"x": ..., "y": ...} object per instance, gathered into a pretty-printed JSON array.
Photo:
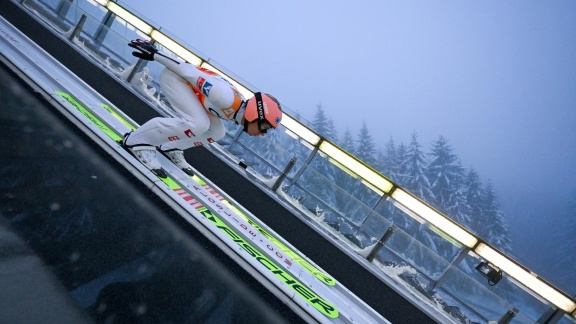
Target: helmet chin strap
[
  {"x": 245, "y": 125},
  {"x": 260, "y": 110},
  {"x": 259, "y": 106}
]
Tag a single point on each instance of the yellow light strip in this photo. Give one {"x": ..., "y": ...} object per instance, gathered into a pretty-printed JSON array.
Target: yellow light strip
[
  {"x": 355, "y": 166},
  {"x": 130, "y": 18},
  {"x": 526, "y": 278},
  {"x": 297, "y": 128},
  {"x": 102, "y": 2},
  {"x": 369, "y": 185},
  {"x": 176, "y": 48},
  {"x": 435, "y": 218},
  {"x": 243, "y": 90}
]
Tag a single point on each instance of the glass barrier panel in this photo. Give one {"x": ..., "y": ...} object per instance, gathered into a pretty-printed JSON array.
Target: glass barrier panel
[
  {"x": 345, "y": 178},
  {"x": 522, "y": 298},
  {"x": 268, "y": 155},
  {"x": 51, "y": 4},
  {"x": 437, "y": 241},
  {"x": 247, "y": 148},
  {"x": 530, "y": 303},
  {"x": 402, "y": 220},
  {"x": 406, "y": 249},
  {"x": 567, "y": 319},
  {"x": 420, "y": 285},
  {"x": 52, "y": 12},
  {"x": 468, "y": 282},
  {"x": 373, "y": 228},
  {"x": 231, "y": 130},
  {"x": 108, "y": 51},
  {"x": 477, "y": 297},
  {"x": 126, "y": 31},
  {"x": 329, "y": 218},
  {"x": 521, "y": 318},
  {"x": 331, "y": 194},
  {"x": 137, "y": 14},
  {"x": 93, "y": 10}
]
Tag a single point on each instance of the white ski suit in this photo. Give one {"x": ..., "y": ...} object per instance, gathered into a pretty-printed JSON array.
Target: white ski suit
[{"x": 201, "y": 98}]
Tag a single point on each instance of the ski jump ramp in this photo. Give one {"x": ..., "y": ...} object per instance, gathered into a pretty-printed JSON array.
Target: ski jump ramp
[{"x": 309, "y": 290}]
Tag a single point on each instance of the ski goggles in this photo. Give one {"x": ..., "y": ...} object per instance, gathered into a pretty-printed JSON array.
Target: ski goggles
[{"x": 264, "y": 126}]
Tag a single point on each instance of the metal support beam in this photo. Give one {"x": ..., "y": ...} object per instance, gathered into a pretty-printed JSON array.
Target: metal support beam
[
  {"x": 78, "y": 28},
  {"x": 507, "y": 318},
  {"x": 459, "y": 257},
  {"x": 380, "y": 244},
  {"x": 284, "y": 173},
  {"x": 305, "y": 165},
  {"x": 551, "y": 316}
]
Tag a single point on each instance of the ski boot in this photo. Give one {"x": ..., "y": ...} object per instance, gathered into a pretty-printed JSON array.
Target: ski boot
[
  {"x": 177, "y": 157},
  {"x": 146, "y": 154}
]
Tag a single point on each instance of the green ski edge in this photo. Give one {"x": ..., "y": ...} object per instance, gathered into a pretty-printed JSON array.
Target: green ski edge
[{"x": 307, "y": 294}]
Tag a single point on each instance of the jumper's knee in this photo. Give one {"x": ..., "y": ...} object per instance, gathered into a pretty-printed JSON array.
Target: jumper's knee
[{"x": 198, "y": 125}]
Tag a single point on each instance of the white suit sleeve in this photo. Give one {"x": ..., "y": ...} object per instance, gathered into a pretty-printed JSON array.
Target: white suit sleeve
[{"x": 185, "y": 70}]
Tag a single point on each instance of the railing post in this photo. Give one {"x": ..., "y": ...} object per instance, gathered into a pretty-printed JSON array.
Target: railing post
[
  {"x": 284, "y": 173},
  {"x": 78, "y": 27},
  {"x": 551, "y": 315},
  {"x": 380, "y": 244},
  {"x": 506, "y": 318},
  {"x": 459, "y": 257},
  {"x": 305, "y": 164},
  {"x": 103, "y": 29},
  {"x": 63, "y": 8}
]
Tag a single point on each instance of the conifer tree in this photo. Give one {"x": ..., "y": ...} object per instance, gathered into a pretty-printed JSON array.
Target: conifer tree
[
  {"x": 277, "y": 157},
  {"x": 474, "y": 194},
  {"x": 321, "y": 181},
  {"x": 389, "y": 162},
  {"x": 401, "y": 157},
  {"x": 446, "y": 176},
  {"x": 347, "y": 142},
  {"x": 294, "y": 145},
  {"x": 344, "y": 181},
  {"x": 332, "y": 132},
  {"x": 320, "y": 122},
  {"x": 496, "y": 228},
  {"x": 415, "y": 177},
  {"x": 366, "y": 149}
]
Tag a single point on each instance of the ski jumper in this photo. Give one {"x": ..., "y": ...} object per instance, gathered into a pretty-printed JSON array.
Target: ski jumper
[{"x": 201, "y": 98}]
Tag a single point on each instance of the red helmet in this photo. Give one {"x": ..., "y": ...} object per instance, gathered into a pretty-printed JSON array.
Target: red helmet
[{"x": 264, "y": 108}]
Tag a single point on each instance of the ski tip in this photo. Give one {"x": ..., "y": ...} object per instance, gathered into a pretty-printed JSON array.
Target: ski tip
[
  {"x": 160, "y": 173},
  {"x": 188, "y": 171}
]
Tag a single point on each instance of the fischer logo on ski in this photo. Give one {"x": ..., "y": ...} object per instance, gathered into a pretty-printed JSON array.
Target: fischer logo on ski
[
  {"x": 305, "y": 264},
  {"x": 307, "y": 294}
]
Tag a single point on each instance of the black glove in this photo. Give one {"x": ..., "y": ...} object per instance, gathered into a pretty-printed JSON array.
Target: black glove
[{"x": 146, "y": 49}]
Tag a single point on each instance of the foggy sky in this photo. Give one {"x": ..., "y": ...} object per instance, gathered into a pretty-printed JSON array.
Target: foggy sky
[{"x": 496, "y": 78}]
